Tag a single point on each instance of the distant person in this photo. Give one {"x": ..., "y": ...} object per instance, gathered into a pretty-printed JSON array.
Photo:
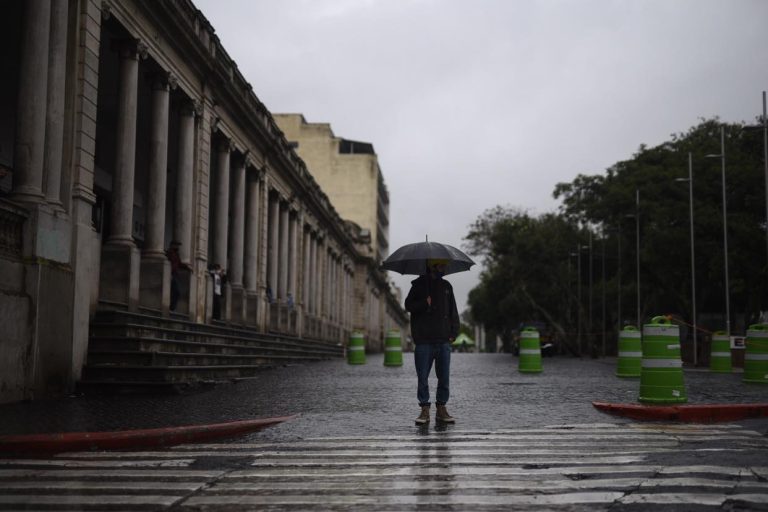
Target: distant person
[
  {"x": 434, "y": 326},
  {"x": 176, "y": 266},
  {"x": 218, "y": 276}
]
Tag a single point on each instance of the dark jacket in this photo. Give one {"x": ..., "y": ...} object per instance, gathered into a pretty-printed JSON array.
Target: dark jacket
[{"x": 436, "y": 323}]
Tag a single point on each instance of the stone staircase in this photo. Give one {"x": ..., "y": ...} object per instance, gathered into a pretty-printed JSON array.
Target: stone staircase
[{"x": 131, "y": 352}]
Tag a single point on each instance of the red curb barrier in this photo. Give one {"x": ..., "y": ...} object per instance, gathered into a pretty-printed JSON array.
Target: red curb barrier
[
  {"x": 131, "y": 439},
  {"x": 706, "y": 413}
]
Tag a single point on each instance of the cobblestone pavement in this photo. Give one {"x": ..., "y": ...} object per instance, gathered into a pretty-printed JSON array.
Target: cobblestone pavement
[{"x": 337, "y": 399}]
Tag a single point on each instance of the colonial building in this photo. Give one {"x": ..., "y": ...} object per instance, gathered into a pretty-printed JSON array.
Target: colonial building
[
  {"x": 126, "y": 126},
  {"x": 348, "y": 171}
]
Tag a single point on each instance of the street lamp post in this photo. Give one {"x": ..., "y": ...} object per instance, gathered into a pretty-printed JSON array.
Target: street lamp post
[
  {"x": 721, "y": 156},
  {"x": 765, "y": 164},
  {"x": 590, "y": 336},
  {"x": 579, "y": 247},
  {"x": 602, "y": 329},
  {"x": 636, "y": 216},
  {"x": 637, "y": 250},
  {"x": 578, "y": 297},
  {"x": 693, "y": 256},
  {"x": 618, "y": 279}
]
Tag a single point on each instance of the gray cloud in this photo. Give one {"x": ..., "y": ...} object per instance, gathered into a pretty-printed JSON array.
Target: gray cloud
[{"x": 474, "y": 104}]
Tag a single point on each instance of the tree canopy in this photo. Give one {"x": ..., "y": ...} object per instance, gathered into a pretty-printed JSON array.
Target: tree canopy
[{"x": 531, "y": 263}]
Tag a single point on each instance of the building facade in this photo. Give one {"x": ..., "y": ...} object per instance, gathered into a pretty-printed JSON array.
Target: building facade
[
  {"x": 348, "y": 171},
  {"x": 126, "y": 126}
]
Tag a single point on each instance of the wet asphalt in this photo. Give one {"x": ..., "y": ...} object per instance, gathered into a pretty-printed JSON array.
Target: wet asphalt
[{"x": 333, "y": 398}]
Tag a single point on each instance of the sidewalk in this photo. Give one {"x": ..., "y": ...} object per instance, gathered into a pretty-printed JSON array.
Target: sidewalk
[{"x": 333, "y": 398}]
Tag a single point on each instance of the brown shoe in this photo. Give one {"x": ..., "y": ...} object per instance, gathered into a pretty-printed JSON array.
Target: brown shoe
[
  {"x": 424, "y": 416},
  {"x": 442, "y": 415}
]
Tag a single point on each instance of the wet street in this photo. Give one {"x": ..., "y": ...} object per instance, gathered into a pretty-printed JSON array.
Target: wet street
[{"x": 521, "y": 441}]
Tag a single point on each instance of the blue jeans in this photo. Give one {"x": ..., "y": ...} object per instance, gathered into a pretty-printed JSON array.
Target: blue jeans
[{"x": 423, "y": 355}]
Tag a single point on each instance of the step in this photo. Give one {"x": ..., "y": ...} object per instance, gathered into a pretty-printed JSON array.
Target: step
[
  {"x": 234, "y": 337},
  {"x": 118, "y": 317},
  {"x": 131, "y": 358},
  {"x": 170, "y": 374},
  {"x": 121, "y": 343}
]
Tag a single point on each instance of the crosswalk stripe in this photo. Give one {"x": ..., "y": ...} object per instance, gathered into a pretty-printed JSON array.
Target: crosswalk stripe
[
  {"x": 692, "y": 498},
  {"x": 618, "y": 436},
  {"x": 467, "y": 500},
  {"x": 511, "y": 443},
  {"x": 545, "y": 485},
  {"x": 443, "y": 451},
  {"x": 100, "y": 499},
  {"x": 188, "y": 474},
  {"x": 96, "y": 463},
  {"x": 86, "y": 485},
  {"x": 499, "y": 472},
  {"x": 431, "y": 459}
]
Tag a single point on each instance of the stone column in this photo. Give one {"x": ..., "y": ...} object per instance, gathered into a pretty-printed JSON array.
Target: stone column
[
  {"x": 263, "y": 249},
  {"x": 274, "y": 233},
  {"x": 320, "y": 262},
  {"x": 221, "y": 222},
  {"x": 282, "y": 286},
  {"x": 252, "y": 231},
  {"x": 119, "y": 272},
  {"x": 28, "y": 154},
  {"x": 299, "y": 273},
  {"x": 290, "y": 288},
  {"x": 182, "y": 219},
  {"x": 292, "y": 256},
  {"x": 54, "y": 126},
  {"x": 125, "y": 153},
  {"x": 158, "y": 169},
  {"x": 306, "y": 272},
  {"x": 237, "y": 240},
  {"x": 312, "y": 277},
  {"x": 155, "y": 289},
  {"x": 221, "y": 215}
]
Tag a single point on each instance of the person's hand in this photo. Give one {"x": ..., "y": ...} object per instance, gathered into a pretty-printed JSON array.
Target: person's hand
[{"x": 429, "y": 300}]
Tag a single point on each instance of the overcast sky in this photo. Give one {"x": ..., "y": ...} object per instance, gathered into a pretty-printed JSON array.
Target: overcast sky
[{"x": 476, "y": 103}]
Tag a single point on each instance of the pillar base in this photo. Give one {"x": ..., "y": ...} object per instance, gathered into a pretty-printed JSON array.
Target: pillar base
[
  {"x": 226, "y": 302},
  {"x": 237, "y": 300},
  {"x": 155, "y": 284},
  {"x": 47, "y": 234},
  {"x": 252, "y": 309},
  {"x": 119, "y": 275}
]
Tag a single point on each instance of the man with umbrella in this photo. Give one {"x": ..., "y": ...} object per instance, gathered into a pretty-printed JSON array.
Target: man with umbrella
[
  {"x": 434, "y": 316},
  {"x": 434, "y": 325}
]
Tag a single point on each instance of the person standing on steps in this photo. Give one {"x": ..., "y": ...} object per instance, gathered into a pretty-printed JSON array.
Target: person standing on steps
[{"x": 434, "y": 326}]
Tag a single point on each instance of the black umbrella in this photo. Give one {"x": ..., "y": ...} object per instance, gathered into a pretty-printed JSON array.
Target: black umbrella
[{"x": 412, "y": 258}]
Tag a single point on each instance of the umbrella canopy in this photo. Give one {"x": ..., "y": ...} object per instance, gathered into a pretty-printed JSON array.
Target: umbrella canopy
[
  {"x": 461, "y": 338},
  {"x": 412, "y": 258}
]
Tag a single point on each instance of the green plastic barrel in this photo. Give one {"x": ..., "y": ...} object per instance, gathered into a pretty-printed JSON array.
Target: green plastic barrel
[
  {"x": 661, "y": 375},
  {"x": 393, "y": 349},
  {"x": 356, "y": 348},
  {"x": 756, "y": 354},
  {"x": 630, "y": 352},
  {"x": 720, "y": 355},
  {"x": 530, "y": 351}
]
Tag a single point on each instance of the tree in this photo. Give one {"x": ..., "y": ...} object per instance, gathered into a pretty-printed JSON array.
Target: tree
[
  {"x": 605, "y": 200},
  {"x": 525, "y": 275}
]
